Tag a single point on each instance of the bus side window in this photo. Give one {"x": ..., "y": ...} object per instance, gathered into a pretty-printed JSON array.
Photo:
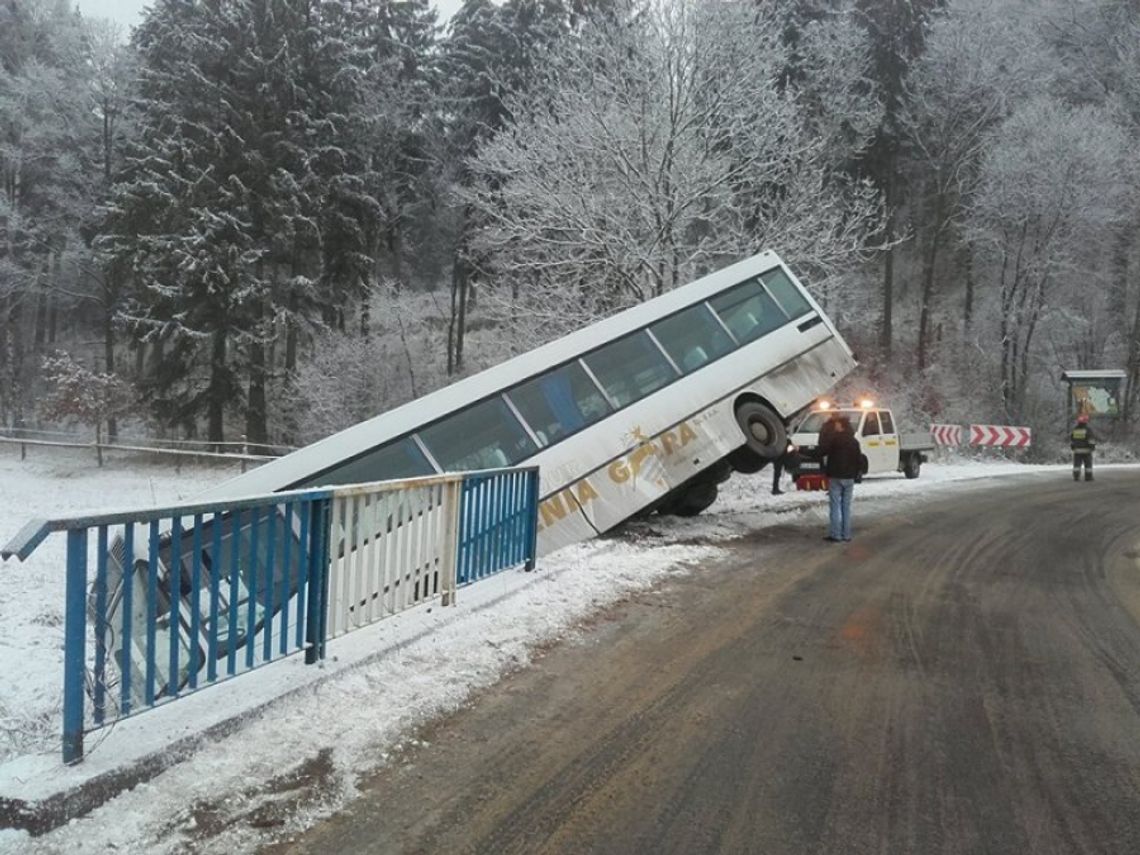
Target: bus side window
[
  {"x": 399, "y": 459},
  {"x": 559, "y": 403},
  {"x": 692, "y": 338},
  {"x": 485, "y": 436},
  {"x": 748, "y": 311},
  {"x": 630, "y": 368},
  {"x": 790, "y": 298}
]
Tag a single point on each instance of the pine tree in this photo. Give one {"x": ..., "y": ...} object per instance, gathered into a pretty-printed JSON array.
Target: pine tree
[
  {"x": 180, "y": 219},
  {"x": 244, "y": 209},
  {"x": 45, "y": 179},
  {"x": 397, "y": 39}
]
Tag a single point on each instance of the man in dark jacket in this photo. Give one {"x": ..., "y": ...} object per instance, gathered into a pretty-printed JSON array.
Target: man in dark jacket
[
  {"x": 828, "y": 430},
  {"x": 842, "y": 465},
  {"x": 1082, "y": 441}
]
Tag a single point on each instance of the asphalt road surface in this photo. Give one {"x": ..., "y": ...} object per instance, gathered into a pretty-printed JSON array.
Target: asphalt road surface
[{"x": 963, "y": 678}]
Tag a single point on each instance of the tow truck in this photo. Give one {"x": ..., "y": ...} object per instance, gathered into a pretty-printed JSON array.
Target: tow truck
[{"x": 886, "y": 449}]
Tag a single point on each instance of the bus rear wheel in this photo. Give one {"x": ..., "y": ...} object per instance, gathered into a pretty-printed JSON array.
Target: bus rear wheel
[
  {"x": 764, "y": 432},
  {"x": 692, "y": 501},
  {"x": 746, "y": 461}
]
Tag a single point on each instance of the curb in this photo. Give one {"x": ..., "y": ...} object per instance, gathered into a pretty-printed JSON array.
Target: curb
[{"x": 41, "y": 816}]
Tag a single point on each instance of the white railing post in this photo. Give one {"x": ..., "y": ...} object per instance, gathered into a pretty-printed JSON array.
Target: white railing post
[{"x": 449, "y": 557}]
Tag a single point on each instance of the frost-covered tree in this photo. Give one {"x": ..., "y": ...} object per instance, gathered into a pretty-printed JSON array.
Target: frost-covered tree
[
  {"x": 107, "y": 62},
  {"x": 1095, "y": 59},
  {"x": 895, "y": 30},
  {"x": 350, "y": 377},
  {"x": 490, "y": 55},
  {"x": 395, "y": 122},
  {"x": 46, "y": 173},
  {"x": 1048, "y": 193},
  {"x": 979, "y": 62},
  {"x": 652, "y": 149},
  {"x": 78, "y": 394},
  {"x": 179, "y": 220}
]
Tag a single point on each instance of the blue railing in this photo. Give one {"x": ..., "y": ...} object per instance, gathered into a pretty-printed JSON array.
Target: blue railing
[
  {"x": 497, "y": 523},
  {"x": 186, "y": 596}
]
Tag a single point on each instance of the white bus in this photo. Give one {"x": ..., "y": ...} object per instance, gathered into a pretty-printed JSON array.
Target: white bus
[{"x": 648, "y": 409}]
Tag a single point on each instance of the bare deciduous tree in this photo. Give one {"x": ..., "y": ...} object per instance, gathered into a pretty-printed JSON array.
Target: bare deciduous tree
[
  {"x": 979, "y": 62},
  {"x": 653, "y": 149},
  {"x": 1048, "y": 190}
]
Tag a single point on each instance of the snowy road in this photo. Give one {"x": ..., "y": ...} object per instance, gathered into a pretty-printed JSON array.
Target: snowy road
[{"x": 964, "y": 677}]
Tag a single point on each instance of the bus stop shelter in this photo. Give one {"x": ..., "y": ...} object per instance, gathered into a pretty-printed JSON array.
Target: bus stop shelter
[{"x": 1099, "y": 394}]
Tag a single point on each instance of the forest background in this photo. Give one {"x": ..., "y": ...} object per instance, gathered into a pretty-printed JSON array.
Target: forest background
[{"x": 271, "y": 219}]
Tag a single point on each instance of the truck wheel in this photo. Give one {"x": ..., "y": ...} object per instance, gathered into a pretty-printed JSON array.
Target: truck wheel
[
  {"x": 912, "y": 465},
  {"x": 764, "y": 431}
]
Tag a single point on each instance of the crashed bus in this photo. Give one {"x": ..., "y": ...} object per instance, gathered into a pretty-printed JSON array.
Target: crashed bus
[{"x": 649, "y": 409}]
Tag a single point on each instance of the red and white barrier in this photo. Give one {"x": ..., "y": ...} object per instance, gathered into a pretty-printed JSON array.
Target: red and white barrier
[
  {"x": 946, "y": 434},
  {"x": 1000, "y": 435}
]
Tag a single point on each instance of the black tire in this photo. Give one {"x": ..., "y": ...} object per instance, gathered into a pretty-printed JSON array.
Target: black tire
[
  {"x": 718, "y": 473},
  {"x": 695, "y": 499},
  {"x": 912, "y": 465},
  {"x": 764, "y": 432},
  {"x": 746, "y": 461},
  {"x": 696, "y": 494}
]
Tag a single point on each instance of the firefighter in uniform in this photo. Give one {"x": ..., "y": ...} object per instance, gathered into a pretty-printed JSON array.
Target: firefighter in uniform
[{"x": 1083, "y": 443}]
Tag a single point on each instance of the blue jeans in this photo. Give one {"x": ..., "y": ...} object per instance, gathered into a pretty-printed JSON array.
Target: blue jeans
[{"x": 839, "y": 493}]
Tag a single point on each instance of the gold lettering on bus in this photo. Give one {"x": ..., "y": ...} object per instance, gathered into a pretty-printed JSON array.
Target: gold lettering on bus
[
  {"x": 586, "y": 492},
  {"x": 619, "y": 471},
  {"x": 555, "y": 508},
  {"x": 671, "y": 441},
  {"x": 552, "y": 510},
  {"x": 640, "y": 455}
]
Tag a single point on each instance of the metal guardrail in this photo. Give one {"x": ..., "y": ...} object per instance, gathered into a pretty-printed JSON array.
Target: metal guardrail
[
  {"x": 496, "y": 527},
  {"x": 185, "y": 596}
]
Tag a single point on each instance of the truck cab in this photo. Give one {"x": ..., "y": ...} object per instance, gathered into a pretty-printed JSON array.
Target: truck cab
[{"x": 885, "y": 447}]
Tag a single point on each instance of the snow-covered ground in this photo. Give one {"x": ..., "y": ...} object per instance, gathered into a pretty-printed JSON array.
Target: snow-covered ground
[{"x": 378, "y": 684}]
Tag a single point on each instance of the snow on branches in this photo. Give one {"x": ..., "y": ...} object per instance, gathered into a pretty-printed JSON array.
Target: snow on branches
[
  {"x": 654, "y": 149},
  {"x": 79, "y": 394}
]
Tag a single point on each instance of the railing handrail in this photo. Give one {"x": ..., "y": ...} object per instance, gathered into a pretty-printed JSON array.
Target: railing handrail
[
  {"x": 35, "y": 531},
  {"x": 424, "y": 480}
]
